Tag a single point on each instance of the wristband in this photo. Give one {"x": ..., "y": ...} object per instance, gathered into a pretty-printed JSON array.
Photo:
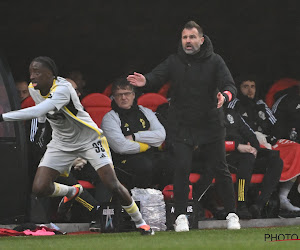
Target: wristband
[
  {"x": 229, "y": 146},
  {"x": 1, "y": 118},
  {"x": 133, "y": 137},
  {"x": 227, "y": 95}
]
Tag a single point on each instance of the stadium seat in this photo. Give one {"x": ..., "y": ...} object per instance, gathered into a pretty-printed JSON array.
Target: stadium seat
[
  {"x": 107, "y": 90},
  {"x": 27, "y": 102},
  {"x": 151, "y": 100},
  {"x": 97, "y": 105},
  {"x": 164, "y": 89},
  {"x": 281, "y": 84},
  {"x": 169, "y": 194},
  {"x": 86, "y": 184},
  {"x": 194, "y": 177}
]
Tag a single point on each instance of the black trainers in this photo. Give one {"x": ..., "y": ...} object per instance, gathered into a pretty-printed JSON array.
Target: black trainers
[
  {"x": 146, "y": 230},
  {"x": 66, "y": 203},
  {"x": 95, "y": 226}
]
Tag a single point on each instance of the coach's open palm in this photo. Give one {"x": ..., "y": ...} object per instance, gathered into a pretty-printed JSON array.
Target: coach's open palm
[{"x": 137, "y": 79}]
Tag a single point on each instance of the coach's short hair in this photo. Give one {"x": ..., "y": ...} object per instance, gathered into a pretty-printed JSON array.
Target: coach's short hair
[{"x": 192, "y": 24}]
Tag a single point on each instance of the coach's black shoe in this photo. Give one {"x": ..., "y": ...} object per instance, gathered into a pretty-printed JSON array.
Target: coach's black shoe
[
  {"x": 146, "y": 230},
  {"x": 66, "y": 203}
]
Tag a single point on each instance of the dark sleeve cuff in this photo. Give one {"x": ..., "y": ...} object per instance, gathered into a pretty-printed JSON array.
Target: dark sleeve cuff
[
  {"x": 1, "y": 118},
  {"x": 236, "y": 144}
]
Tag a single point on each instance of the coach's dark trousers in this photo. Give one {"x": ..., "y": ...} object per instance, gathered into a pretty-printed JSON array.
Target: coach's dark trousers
[{"x": 216, "y": 167}]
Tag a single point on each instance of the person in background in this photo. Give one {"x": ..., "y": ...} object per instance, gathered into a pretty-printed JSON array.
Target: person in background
[
  {"x": 22, "y": 88},
  {"x": 248, "y": 157},
  {"x": 134, "y": 134},
  {"x": 75, "y": 86},
  {"x": 200, "y": 84},
  {"x": 262, "y": 121},
  {"x": 287, "y": 112},
  {"x": 78, "y": 77}
]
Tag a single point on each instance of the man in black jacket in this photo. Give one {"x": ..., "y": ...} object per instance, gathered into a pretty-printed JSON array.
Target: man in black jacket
[
  {"x": 287, "y": 111},
  {"x": 260, "y": 118},
  {"x": 200, "y": 84},
  {"x": 248, "y": 157}
]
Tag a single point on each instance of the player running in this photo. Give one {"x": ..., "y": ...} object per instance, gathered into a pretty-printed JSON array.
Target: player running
[{"x": 74, "y": 135}]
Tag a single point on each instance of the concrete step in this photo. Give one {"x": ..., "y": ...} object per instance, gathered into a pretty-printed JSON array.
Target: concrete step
[
  {"x": 274, "y": 222},
  {"x": 205, "y": 224}
]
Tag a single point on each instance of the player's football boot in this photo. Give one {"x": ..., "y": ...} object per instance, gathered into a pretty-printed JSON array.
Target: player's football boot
[
  {"x": 146, "y": 230},
  {"x": 66, "y": 203}
]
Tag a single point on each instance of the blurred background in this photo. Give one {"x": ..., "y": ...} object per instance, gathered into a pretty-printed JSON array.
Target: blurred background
[{"x": 106, "y": 39}]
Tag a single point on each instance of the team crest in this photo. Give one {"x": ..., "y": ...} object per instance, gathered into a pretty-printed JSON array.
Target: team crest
[
  {"x": 262, "y": 115},
  {"x": 230, "y": 119},
  {"x": 126, "y": 125},
  {"x": 142, "y": 121},
  {"x": 245, "y": 114}
]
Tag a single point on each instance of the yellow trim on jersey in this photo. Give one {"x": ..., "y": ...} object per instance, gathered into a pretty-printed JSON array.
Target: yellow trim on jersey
[
  {"x": 143, "y": 147},
  {"x": 102, "y": 138},
  {"x": 52, "y": 89},
  {"x": 86, "y": 124},
  {"x": 105, "y": 145}
]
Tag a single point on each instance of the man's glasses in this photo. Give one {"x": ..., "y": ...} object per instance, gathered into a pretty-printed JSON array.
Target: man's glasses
[{"x": 126, "y": 94}]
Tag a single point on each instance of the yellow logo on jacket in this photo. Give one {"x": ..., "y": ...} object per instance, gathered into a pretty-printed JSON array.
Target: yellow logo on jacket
[{"x": 142, "y": 121}]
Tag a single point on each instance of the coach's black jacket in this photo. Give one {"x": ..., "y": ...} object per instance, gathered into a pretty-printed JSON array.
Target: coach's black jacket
[{"x": 195, "y": 82}]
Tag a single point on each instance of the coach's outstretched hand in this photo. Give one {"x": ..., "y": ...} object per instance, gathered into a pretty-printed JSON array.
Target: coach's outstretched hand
[{"x": 137, "y": 79}]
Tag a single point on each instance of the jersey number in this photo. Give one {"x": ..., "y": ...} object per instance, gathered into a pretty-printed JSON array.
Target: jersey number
[{"x": 98, "y": 147}]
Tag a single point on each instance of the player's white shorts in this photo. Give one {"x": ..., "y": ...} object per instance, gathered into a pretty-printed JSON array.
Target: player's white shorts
[{"x": 98, "y": 155}]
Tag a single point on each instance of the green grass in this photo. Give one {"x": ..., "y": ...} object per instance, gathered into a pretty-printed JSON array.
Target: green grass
[{"x": 250, "y": 238}]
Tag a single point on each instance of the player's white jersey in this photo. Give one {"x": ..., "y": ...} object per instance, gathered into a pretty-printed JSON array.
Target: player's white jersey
[{"x": 72, "y": 126}]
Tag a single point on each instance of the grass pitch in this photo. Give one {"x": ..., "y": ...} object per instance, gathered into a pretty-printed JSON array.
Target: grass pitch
[{"x": 250, "y": 238}]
